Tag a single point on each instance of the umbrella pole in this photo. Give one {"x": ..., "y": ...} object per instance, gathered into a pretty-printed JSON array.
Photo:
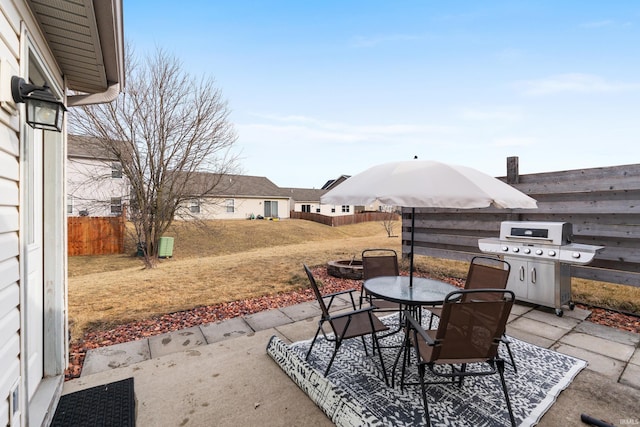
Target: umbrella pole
[{"x": 413, "y": 224}]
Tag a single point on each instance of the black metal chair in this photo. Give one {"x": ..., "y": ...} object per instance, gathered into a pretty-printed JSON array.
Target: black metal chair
[
  {"x": 470, "y": 331},
  {"x": 352, "y": 324},
  {"x": 485, "y": 272}
]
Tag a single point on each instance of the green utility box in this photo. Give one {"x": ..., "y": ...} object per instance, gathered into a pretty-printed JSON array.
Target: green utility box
[{"x": 165, "y": 247}]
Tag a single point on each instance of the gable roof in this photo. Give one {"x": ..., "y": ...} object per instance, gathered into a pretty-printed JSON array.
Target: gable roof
[
  {"x": 300, "y": 195},
  {"x": 230, "y": 185},
  {"x": 335, "y": 182},
  {"x": 87, "y": 147}
]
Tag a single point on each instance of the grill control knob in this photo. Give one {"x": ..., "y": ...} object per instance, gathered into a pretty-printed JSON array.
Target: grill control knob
[
  {"x": 538, "y": 251},
  {"x": 527, "y": 250},
  {"x": 516, "y": 250},
  {"x": 552, "y": 253},
  {"x": 505, "y": 248},
  {"x": 576, "y": 255}
]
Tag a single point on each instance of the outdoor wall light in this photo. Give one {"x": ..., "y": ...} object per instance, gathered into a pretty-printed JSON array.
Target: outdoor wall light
[{"x": 44, "y": 111}]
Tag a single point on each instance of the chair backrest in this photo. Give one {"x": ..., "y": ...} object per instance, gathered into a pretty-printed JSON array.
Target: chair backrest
[
  {"x": 316, "y": 291},
  {"x": 379, "y": 262},
  {"x": 471, "y": 328},
  {"x": 487, "y": 272}
]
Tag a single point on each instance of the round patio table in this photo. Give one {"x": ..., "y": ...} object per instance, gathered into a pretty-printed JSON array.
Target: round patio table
[{"x": 396, "y": 289}]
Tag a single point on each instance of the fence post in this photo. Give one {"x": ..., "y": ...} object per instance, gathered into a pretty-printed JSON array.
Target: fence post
[{"x": 513, "y": 176}]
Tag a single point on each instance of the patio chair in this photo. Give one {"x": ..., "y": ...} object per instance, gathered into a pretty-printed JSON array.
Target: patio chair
[
  {"x": 485, "y": 272},
  {"x": 376, "y": 263},
  {"x": 469, "y": 332},
  {"x": 345, "y": 325}
]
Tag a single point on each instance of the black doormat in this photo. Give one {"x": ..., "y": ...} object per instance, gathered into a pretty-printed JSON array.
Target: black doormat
[{"x": 105, "y": 405}]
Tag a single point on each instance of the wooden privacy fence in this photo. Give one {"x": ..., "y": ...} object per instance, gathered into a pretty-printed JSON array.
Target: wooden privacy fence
[
  {"x": 95, "y": 235},
  {"x": 603, "y": 204},
  {"x": 336, "y": 221}
]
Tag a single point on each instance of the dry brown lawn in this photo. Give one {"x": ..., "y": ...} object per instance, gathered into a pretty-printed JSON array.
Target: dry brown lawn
[{"x": 234, "y": 260}]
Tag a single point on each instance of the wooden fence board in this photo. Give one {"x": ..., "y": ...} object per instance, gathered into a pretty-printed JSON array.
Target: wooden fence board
[{"x": 95, "y": 235}]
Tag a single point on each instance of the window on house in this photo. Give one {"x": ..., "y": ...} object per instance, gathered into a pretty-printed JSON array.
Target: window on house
[
  {"x": 194, "y": 206},
  {"x": 69, "y": 205},
  {"x": 306, "y": 208},
  {"x": 345, "y": 208},
  {"x": 116, "y": 170},
  {"x": 229, "y": 203},
  {"x": 116, "y": 205},
  {"x": 317, "y": 210},
  {"x": 333, "y": 209}
]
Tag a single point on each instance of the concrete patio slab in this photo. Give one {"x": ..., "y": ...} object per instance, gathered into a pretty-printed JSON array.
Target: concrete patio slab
[
  {"x": 234, "y": 382},
  {"x": 564, "y": 322},
  {"x": 631, "y": 376},
  {"x": 599, "y": 345},
  {"x": 115, "y": 356},
  {"x": 301, "y": 311},
  {"x": 231, "y": 328},
  {"x": 605, "y": 366},
  {"x": 267, "y": 319},
  {"x": 173, "y": 342},
  {"x": 536, "y": 327},
  {"x": 610, "y": 334}
]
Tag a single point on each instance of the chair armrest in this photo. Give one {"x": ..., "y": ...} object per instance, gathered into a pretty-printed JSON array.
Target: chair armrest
[
  {"x": 351, "y": 313},
  {"x": 335, "y": 294},
  {"x": 338, "y": 293},
  {"x": 418, "y": 328}
]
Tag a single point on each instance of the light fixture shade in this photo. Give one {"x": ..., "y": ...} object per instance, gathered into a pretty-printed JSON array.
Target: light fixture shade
[
  {"x": 44, "y": 114},
  {"x": 44, "y": 111}
]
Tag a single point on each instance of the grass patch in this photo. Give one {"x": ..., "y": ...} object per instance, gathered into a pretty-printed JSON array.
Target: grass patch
[{"x": 233, "y": 260}]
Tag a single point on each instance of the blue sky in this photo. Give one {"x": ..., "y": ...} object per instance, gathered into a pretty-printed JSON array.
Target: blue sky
[{"x": 319, "y": 89}]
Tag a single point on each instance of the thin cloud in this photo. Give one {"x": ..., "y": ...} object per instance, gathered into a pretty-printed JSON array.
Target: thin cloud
[
  {"x": 575, "y": 83},
  {"x": 598, "y": 24}
]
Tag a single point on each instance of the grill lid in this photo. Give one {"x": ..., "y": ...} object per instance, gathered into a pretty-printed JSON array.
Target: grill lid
[{"x": 555, "y": 233}]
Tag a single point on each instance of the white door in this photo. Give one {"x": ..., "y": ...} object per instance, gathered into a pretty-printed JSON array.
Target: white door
[{"x": 32, "y": 217}]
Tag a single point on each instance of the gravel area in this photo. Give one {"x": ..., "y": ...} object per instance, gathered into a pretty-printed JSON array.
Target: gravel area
[{"x": 215, "y": 313}]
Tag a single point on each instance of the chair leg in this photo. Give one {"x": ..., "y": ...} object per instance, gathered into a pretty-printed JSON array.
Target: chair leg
[
  {"x": 384, "y": 370},
  {"x": 314, "y": 341},
  {"x": 500, "y": 366},
  {"x": 335, "y": 351},
  {"x": 507, "y": 344},
  {"x": 423, "y": 389}
]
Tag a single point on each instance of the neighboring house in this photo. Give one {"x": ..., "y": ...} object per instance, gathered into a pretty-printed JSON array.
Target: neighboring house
[
  {"x": 307, "y": 200},
  {"x": 235, "y": 197},
  {"x": 76, "y": 49},
  {"x": 96, "y": 185}
]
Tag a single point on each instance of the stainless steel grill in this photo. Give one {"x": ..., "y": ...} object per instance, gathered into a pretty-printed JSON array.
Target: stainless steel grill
[{"x": 540, "y": 254}]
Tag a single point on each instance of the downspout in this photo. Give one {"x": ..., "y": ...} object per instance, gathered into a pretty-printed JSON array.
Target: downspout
[{"x": 109, "y": 95}]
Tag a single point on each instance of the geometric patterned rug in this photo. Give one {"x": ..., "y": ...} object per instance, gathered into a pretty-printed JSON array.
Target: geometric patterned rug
[{"x": 354, "y": 392}]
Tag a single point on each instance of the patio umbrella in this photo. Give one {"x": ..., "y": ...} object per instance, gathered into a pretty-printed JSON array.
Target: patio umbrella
[{"x": 426, "y": 184}]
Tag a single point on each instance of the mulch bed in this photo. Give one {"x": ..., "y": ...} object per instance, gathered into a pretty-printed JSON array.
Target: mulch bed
[{"x": 215, "y": 313}]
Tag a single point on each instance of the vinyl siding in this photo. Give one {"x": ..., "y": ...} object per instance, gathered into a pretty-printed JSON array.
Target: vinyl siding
[{"x": 9, "y": 217}]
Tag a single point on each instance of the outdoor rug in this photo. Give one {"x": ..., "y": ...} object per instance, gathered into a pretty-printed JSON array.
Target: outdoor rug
[
  {"x": 354, "y": 393},
  {"x": 105, "y": 405}
]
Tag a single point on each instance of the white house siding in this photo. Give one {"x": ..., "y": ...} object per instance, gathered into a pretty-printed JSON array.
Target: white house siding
[
  {"x": 243, "y": 208},
  {"x": 9, "y": 214},
  {"x": 29, "y": 399},
  {"x": 90, "y": 187}
]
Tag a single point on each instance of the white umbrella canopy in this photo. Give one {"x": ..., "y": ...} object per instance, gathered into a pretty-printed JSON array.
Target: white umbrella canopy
[{"x": 427, "y": 184}]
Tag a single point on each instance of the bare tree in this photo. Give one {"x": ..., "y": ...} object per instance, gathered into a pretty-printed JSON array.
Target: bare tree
[
  {"x": 389, "y": 220},
  {"x": 166, "y": 124}
]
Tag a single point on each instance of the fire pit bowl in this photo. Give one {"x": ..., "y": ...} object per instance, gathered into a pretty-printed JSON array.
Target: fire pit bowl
[{"x": 345, "y": 269}]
